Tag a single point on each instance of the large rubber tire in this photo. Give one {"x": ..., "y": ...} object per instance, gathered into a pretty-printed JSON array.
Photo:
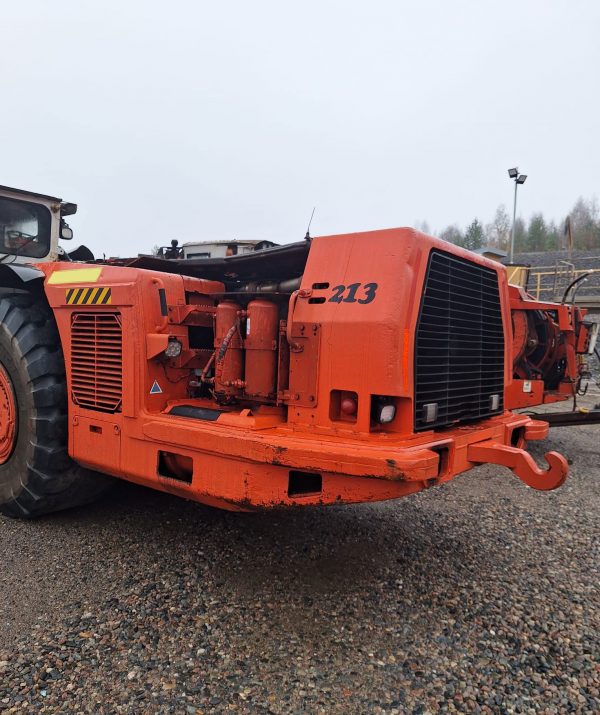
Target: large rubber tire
[{"x": 37, "y": 475}]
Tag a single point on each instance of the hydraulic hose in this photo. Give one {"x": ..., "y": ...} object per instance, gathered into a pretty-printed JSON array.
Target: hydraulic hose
[{"x": 572, "y": 284}]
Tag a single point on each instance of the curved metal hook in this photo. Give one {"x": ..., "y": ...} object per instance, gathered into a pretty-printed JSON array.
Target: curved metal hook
[{"x": 522, "y": 464}]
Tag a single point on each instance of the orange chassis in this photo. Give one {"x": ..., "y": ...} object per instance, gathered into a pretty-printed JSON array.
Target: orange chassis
[{"x": 299, "y": 449}]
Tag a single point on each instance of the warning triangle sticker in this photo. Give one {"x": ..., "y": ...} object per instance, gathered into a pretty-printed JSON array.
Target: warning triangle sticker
[{"x": 155, "y": 389}]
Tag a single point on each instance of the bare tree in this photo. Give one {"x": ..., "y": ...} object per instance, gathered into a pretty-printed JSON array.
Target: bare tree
[
  {"x": 498, "y": 232},
  {"x": 422, "y": 226},
  {"x": 452, "y": 234},
  {"x": 585, "y": 223}
]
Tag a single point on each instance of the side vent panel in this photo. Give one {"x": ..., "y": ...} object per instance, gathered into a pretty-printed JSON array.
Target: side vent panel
[{"x": 97, "y": 361}]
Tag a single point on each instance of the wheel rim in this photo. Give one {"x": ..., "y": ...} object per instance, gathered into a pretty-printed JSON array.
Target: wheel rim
[{"x": 8, "y": 416}]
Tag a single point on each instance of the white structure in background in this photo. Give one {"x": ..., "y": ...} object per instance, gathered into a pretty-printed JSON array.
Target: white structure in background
[{"x": 221, "y": 249}]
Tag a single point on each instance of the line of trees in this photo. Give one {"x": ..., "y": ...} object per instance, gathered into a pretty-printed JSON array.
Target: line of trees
[{"x": 538, "y": 234}]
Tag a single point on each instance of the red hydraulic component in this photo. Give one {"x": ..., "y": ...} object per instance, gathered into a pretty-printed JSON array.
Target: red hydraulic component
[
  {"x": 537, "y": 344},
  {"x": 262, "y": 330},
  {"x": 229, "y": 359},
  {"x": 523, "y": 341},
  {"x": 550, "y": 342}
]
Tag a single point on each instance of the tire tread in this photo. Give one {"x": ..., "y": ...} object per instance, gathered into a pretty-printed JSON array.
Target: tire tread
[{"x": 52, "y": 481}]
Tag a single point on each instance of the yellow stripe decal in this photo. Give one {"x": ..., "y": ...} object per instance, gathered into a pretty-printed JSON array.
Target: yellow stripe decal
[
  {"x": 75, "y": 275},
  {"x": 104, "y": 296},
  {"x": 88, "y": 296}
]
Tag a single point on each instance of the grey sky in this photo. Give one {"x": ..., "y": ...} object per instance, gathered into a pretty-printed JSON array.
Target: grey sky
[{"x": 202, "y": 120}]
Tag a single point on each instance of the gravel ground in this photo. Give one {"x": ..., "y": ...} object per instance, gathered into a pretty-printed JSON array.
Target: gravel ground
[{"x": 479, "y": 596}]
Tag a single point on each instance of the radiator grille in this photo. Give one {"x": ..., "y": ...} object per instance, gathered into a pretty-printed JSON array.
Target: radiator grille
[
  {"x": 459, "y": 344},
  {"x": 97, "y": 361}
]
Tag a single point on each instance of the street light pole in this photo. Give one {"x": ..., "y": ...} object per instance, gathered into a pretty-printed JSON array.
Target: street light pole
[
  {"x": 512, "y": 236},
  {"x": 519, "y": 179}
]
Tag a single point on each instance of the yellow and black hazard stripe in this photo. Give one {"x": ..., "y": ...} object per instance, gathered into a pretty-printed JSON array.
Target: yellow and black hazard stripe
[{"x": 88, "y": 296}]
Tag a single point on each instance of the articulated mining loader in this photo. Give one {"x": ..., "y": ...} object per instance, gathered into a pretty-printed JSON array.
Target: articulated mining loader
[{"x": 348, "y": 368}]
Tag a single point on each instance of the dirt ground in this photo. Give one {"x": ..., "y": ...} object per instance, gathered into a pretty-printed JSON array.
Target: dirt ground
[{"x": 478, "y": 596}]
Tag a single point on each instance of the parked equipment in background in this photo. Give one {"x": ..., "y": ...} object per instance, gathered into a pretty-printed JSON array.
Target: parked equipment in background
[{"x": 340, "y": 369}]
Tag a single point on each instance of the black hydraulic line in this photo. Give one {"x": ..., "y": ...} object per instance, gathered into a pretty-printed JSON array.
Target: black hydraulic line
[
  {"x": 573, "y": 283},
  {"x": 568, "y": 419}
]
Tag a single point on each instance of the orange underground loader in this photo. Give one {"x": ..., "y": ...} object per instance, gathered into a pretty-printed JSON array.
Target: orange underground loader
[{"x": 349, "y": 368}]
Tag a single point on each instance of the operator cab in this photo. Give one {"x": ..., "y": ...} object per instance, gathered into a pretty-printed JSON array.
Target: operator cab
[{"x": 31, "y": 225}]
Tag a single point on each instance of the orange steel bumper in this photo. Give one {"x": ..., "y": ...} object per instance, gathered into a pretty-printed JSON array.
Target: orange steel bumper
[{"x": 244, "y": 468}]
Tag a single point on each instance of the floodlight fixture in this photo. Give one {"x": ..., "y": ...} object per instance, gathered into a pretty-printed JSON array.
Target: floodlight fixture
[{"x": 519, "y": 179}]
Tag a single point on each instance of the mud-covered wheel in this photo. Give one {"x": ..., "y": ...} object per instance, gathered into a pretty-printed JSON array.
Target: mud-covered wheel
[{"x": 37, "y": 476}]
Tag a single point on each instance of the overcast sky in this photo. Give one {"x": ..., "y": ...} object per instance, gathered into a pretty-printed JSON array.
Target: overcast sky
[{"x": 203, "y": 120}]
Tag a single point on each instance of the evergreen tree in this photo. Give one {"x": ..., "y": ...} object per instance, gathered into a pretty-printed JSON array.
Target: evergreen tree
[
  {"x": 552, "y": 237},
  {"x": 537, "y": 233},
  {"x": 474, "y": 236}
]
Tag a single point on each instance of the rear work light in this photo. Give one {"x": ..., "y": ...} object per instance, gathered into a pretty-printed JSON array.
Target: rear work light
[
  {"x": 383, "y": 410},
  {"x": 173, "y": 348},
  {"x": 387, "y": 414}
]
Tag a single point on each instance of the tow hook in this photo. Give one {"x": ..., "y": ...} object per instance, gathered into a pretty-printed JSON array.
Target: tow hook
[{"x": 521, "y": 463}]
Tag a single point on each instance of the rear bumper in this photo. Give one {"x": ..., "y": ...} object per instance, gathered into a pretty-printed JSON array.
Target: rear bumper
[
  {"x": 245, "y": 469},
  {"x": 430, "y": 455}
]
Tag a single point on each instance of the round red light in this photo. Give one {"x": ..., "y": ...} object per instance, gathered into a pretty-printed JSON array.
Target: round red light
[{"x": 349, "y": 406}]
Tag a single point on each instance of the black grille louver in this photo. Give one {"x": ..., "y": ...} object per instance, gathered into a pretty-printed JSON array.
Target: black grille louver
[
  {"x": 459, "y": 344},
  {"x": 97, "y": 361}
]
